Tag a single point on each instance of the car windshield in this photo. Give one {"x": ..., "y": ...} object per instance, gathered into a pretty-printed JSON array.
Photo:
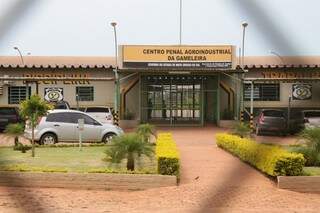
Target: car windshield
[
  {"x": 97, "y": 109},
  {"x": 273, "y": 113},
  {"x": 312, "y": 114},
  {"x": 7, "y": 111}
]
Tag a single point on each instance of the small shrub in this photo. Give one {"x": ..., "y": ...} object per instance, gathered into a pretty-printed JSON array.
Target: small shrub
[
  {"x": 311, "y": 156},
  {"x": 14, "y": 129},
  {"x": 311, "y": 148},
  {"x": 130, "y": 147},
  {"x": 312, "y": 138},
  {"x": 270, "y": 159},
  {"x": 241, "y": 129},
  {"x": 145, "y": 131},
  {"x": 167, "y": 155}
]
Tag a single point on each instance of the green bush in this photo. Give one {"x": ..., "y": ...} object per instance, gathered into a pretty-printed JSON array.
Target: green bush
[
  {"x": 311, "y": 146},
  {"x": 270, "y": 159},
  {"x": 16, "y": 130},
  {"x": 241, "y": 129},
  {"x": 167, "y": 155},
  {"x": 312, "y": 138},
  {"x": 312, "y": 157}
]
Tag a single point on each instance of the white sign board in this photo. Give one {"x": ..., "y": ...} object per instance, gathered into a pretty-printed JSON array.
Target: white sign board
[{"x": 81, "y": 124}]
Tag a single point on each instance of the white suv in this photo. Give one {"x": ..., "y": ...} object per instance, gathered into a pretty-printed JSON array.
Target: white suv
[{"x": 62, "y": 125}]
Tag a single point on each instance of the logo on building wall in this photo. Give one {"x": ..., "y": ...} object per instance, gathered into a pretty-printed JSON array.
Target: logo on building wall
[
  {"x": 53, "y": 94},
  {"x": 301, "y": 91}
]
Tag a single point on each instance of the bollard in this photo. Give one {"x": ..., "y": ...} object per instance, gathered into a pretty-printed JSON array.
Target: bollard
[
  {"x": 116, "y": 118},
  {"x": 251, "y": 122},
  {"x": 241, "y": 117}
]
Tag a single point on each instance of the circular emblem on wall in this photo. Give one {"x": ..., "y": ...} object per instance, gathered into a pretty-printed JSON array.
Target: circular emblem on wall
[
  {"x": 301, "y": 91},
  {"x": 53, "y": 94}
]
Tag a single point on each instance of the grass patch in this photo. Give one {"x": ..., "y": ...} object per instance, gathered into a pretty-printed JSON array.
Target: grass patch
[
  {"x": 311, "y": 171},
  {"x": 69, "y": 159}
]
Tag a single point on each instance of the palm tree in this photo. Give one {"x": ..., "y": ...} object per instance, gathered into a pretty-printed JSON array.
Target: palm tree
[
  {"x": 145, "y": 131},
  {"x": 32, "y": 109},
  {"x": 130, "y": 147}
]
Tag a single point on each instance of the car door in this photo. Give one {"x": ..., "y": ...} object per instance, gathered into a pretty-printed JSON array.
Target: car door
[
  {"x": 92, "y": 128},
  {"x": 63, "y": 125}
]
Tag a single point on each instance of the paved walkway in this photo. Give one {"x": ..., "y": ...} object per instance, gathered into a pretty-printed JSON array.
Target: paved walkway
[{"x": 212, "y": 181}]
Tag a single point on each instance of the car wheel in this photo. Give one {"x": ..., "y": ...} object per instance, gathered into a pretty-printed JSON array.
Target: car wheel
[
  {"x": 108, "y": 137},
  {"x": 48, "y": 139}
]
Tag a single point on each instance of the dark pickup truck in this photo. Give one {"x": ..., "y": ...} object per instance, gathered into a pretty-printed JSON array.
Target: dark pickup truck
[{"x": 8, "y": 115}]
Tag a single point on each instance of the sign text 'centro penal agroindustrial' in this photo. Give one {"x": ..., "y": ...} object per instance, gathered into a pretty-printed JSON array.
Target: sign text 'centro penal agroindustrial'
[{"x": 148, "y": 56}]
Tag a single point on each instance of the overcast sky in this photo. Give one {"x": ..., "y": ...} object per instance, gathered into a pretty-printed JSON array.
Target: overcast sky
[{"x": 81, "y": 27}]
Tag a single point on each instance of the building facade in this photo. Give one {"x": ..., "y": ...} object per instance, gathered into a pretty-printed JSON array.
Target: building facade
[
  {"x": 167, "y": 85},
  {"x": 78, "y": 80}
]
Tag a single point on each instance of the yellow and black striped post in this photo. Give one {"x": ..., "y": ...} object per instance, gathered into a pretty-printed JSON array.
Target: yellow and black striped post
[
  {"x": 241, "y": 117},
  {"x": 251, "y": 122},
  {"x": 115, "y": 115},
  {"x": 116, "y": 118}
]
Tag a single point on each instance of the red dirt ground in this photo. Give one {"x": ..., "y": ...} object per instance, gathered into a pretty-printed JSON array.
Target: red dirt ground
[{"x": 212, "y": 181}]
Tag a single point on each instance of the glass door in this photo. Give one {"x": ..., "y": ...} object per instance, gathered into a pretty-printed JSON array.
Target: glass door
[
  {"x": 171, "y": 100},
  {"x": 186, "y": 104}
]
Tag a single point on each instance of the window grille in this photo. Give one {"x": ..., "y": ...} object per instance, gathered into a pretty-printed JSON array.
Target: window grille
[
  {"x": 262, "y": 92},
  {"x": 16, "y": 94},
  {"x": 85, "y": 93}
]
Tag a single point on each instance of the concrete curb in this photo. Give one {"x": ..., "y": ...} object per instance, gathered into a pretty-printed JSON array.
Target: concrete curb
[
  {"x": 299, "y": 183},
  {"x": 94, "y": 181}
]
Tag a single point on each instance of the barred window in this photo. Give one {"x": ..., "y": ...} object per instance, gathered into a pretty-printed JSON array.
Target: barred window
[
  {"x": 85, "y": 93},
  {"x": 17, "y": 94},
  {"x": 262, "y": 92}
]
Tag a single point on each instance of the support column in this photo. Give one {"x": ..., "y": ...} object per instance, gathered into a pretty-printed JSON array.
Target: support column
[
  {"x": 27, "y": 90},
  {"x": 218, "y": 100},
  {"x": 202, "y": 102},
  {"x": 251, "y": 106},
  {"x": 237, "y": 111},
  {"x": 37, "y": 87},
  {"x": 241, "y": 98}
]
